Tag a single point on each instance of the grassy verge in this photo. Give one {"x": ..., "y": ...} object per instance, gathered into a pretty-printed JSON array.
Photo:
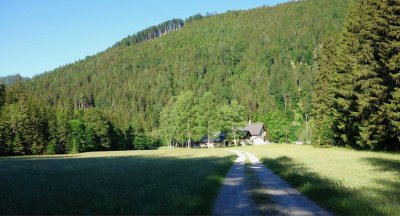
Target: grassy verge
[
  {"x": 347, "y": 182},
  {"x": 129, "y": 182},
  {"x": 265, "y": 205}
]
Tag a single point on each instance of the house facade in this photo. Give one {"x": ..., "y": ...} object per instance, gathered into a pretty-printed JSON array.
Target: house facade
[{"x": 258, "y": 132}]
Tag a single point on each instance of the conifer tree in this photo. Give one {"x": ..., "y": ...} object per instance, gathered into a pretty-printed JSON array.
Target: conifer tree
[
  {"x": 2, "y": 94},
  {"x": 346, "y": 122},
  {"x": 367, "y": 75},
  {"x": 322, "y": 95},
  {"x": 390, "y": 60},
  {"x": 6, "y": 134},
  {"x": 130, "y": 137}
]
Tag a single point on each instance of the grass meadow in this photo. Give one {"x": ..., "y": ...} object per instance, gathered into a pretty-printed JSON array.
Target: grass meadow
[
  {"x": 165, "y": 181},
  {"x": 344, "y": 181}
]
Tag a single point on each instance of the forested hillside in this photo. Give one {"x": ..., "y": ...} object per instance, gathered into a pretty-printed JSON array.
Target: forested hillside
[{"x": 262, "y": 59}]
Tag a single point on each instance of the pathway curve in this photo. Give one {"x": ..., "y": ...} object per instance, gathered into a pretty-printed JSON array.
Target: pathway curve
[{"x": 234, "y": 199}]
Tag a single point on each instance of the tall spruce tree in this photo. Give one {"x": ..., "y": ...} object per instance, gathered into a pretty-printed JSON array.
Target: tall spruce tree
[
  {"x": 390, "y": 60},
  {"x": 366, "y": 70},
  {"x": 2, "y": 94},
  {"x": 322, "y": 95},
  {"x": 344, "y": 103}
]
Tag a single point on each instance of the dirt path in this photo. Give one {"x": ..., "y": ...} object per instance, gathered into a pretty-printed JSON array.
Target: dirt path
[{"x": 234, "y": 198}]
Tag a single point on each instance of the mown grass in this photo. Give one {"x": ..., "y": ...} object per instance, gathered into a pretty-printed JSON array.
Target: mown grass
[
  {"x": 346, "y": 182},
  {"x": 129, "y": 182}
]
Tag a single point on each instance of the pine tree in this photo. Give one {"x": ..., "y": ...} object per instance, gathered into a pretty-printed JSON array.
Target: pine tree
[
  {"x": 390, "y": 60},
  {"x": 6, "y": 134},
  {"x": 366, "y": 66},
  {"x": 346, "y": 122},
  {"x": 130, "y": 137},
  {"x": 2, "y": 94},
  {"x": 18, "y": 146},
  {"x": 53, "y": 138},
  {"x": 322, "y": 95}
]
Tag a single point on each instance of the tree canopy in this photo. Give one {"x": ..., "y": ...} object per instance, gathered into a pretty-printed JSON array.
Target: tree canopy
[{"x": 361, "y": 108}]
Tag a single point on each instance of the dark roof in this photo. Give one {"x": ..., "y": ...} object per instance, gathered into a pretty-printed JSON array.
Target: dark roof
[
  {"x": 219, "y": 138},
  {"x": 254, "y": 129},
  {"x": 244, "y": 134}
]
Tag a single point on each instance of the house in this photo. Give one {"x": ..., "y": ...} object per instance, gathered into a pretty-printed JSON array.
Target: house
[
  {"x": 252, "y": 134},
  {"x": 258, "y": 133},
  {"x": 218, "y": 139}
]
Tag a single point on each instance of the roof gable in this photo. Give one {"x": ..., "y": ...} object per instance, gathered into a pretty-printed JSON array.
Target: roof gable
[{"x": 254, "y": 129}]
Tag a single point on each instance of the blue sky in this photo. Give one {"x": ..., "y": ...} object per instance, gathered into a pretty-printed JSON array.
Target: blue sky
[{"x": 40, "y": 35}]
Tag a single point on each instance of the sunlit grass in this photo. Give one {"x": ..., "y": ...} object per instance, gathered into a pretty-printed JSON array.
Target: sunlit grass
[
  {"x": 344, "y": 181},
  {"x": 181, "y": 181}
]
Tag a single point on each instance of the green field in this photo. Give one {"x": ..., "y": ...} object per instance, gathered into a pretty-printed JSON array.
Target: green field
[
  {"x": 347, "y": 182},
  {"x": 129, "y": 182},
  {"x": 186, "y": 181}
]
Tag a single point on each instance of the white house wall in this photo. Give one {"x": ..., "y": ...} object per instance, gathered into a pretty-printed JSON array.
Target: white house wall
[{"x": 258, "y": 141}]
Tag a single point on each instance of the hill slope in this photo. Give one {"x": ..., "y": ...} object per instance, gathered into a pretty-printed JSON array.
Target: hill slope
[{"x": 263, "y": 57}]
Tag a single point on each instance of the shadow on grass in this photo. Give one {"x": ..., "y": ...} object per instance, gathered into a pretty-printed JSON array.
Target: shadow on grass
[
  {"x": 384, "y": 164},
  {"x": 111, "y": 185},
  {"x": 388, "y": 189},
  {"x": 331, "y": 195}
]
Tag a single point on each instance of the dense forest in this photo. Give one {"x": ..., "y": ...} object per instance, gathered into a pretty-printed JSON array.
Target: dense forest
[
  {"x": 262, "y": 58},
  {"x": 281, "y": 65},
  {"x": 27, "y": 126},
  {"x": 357, "y": 89}
]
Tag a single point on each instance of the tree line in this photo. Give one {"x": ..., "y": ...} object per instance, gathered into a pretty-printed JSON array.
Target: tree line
[
  {"x": 27, "y": 127},
  {"x": 153, "y": 32},
  {"x": 356, "y": 95}
]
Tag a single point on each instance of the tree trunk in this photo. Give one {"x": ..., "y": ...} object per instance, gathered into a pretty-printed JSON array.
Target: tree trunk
[
  {"x": 188, "y": 134},
  {"x": 286, "y": 133},
  {"x": 234, "y": 137},
  {"x": 284, "y": 97},
  {"x": 307, "y": 128},
  {"x": 208, "y": 133}
]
